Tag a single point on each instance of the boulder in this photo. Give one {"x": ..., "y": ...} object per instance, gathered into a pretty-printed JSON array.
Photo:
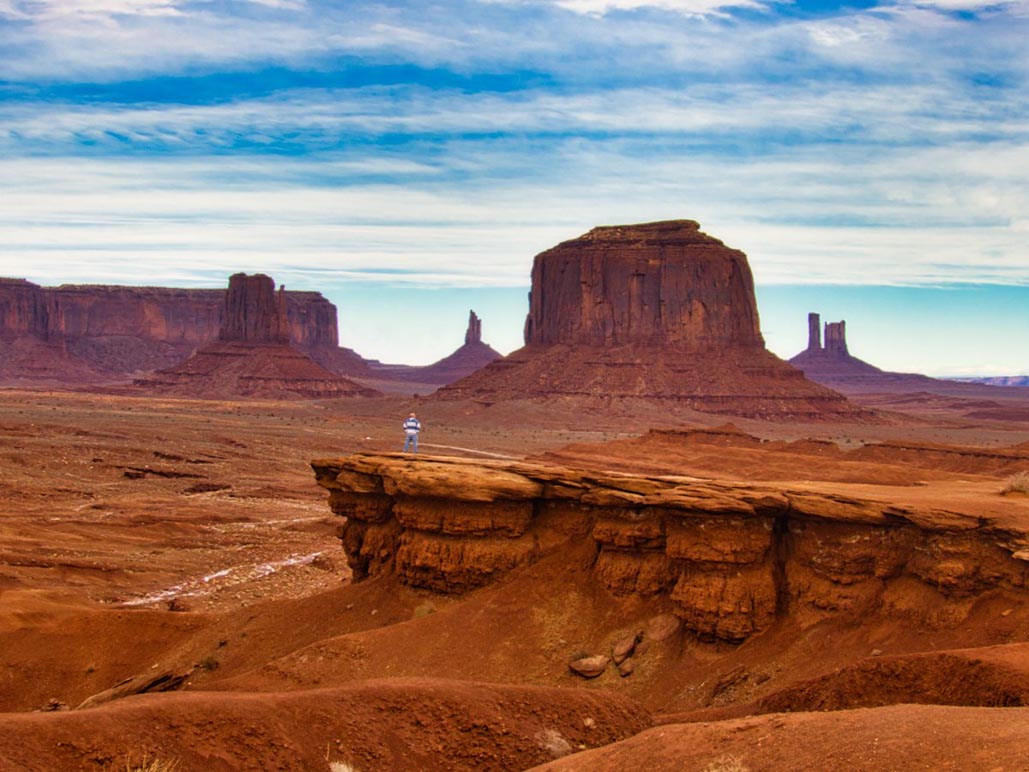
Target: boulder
[{"x": 589, "y": 667}]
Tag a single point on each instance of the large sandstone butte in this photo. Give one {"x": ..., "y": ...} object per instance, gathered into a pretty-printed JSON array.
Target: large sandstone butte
[
  {"x": 658, "y": 311},
  {"x": 253, "y": 356},
  {"x": 731, "y": 558},
  {"x": 78, "y": 333}
]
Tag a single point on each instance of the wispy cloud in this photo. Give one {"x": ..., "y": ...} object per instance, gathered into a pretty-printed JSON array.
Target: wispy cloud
[{"x": 444, "y": 144}]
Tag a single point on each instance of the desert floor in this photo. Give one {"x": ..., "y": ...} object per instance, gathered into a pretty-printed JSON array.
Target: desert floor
[{"x": 150, "y": 543}]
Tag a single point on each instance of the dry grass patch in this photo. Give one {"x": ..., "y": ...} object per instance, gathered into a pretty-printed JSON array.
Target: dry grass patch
[{"x": 1017, "y": 483}]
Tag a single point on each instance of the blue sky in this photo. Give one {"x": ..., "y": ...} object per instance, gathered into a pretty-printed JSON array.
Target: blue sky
[{"x": 409, "y": 159}]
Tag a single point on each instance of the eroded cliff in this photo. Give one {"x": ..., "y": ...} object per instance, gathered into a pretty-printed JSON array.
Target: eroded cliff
[
  {"x": 118, "y": 330},
  {"x": 733, "y": 558}
]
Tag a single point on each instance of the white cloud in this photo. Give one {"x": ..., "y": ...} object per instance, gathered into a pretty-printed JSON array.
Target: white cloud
[{"x": 687, "y": 7}]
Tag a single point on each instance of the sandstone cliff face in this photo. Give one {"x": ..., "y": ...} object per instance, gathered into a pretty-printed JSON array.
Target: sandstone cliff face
[
  {"x": 254, "y": 311},
  {"x": 252, "y": 356},
  {"x": 658, "y": 312},
  {"x": 123, "y": 330},
  {"x": 733, "y": 558},
  {"x": 661, "y": 284},
  {"x": 23, "y": 310}
]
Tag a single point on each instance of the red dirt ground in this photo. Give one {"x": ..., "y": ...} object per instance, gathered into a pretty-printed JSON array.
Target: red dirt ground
[{"x": 141, "y": 537}]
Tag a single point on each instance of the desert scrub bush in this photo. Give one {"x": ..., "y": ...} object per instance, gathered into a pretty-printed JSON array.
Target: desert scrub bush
[
  {"x": 1017, "y": 483},
  {"x": 727, "y": 764},
  {"x": 152, "y": 765}
]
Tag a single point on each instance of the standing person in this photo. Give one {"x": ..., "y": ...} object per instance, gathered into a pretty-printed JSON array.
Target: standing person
[{"x": 411, "y": 428}]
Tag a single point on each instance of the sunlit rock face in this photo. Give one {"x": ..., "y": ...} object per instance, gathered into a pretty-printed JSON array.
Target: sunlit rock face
[
  {"x": 659, "y": 312},
  {"x": 656, "y": 284}
]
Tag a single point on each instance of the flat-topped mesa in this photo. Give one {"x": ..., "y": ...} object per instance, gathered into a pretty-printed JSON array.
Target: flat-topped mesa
[
  {"x": 120, "y": 331},
  {"x": 254, "y": 311},
  {"x": 23, "y": 309},
  {"x": 658, "y": 284},
  {"x": 658, "y": 312},
  {"x": 731, "y": 558}
]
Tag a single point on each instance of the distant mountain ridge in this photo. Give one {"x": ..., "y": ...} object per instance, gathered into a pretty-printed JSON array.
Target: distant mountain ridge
[{"x": 995, "y": 380}]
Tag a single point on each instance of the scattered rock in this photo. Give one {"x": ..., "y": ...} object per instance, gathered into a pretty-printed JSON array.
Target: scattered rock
[
  {"x": 553, "y": 743},
  {"x": 590, "y": 667},
  {"x": 165, "y": 681},
  {"x": 627, "y": 668},
  {"x": 624, "y": 647}
]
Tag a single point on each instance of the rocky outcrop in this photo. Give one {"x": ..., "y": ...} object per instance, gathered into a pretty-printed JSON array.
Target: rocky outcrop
[
  {"x": 658, "y": 311},
  {"x": 254, "y": 311},
  {"x": 733, "y": 558},
  {"x": 472, "y": 356},
  {"x": 252, "y": 357},
  {"x": 114, "y": 331},
  {"x": 23, "y": 310},
  {"x": 832, "y": 365}
]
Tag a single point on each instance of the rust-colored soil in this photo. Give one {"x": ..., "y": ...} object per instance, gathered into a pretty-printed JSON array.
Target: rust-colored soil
[{"x": 143, "y": 537}]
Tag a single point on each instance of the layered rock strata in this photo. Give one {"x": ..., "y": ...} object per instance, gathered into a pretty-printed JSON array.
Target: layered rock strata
[
  {"x": 658, "y": 311},
  {"x": 124, "y": 330},
  {"x": 252, "y": 356},
  {"x": 733, "y": 558}
]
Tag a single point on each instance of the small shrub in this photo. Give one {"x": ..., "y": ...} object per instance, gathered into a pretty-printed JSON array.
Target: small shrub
[
  {"x": 208, "y": 663},
  {"x": 727, "y": 764},
  {"x": 152, "y": 765},
  {"x": 423, "y": 610},
  {"x": 1017, "y": 483}
]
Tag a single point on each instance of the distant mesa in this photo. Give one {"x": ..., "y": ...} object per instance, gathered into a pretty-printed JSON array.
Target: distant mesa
[
  {"x": 80, "y": 334},
  {"x": 469, "y": 358},
  {"x": 252, "y": 356},
  {"x": 655, "y": 311},
  {"x": 830, "y": 363}
]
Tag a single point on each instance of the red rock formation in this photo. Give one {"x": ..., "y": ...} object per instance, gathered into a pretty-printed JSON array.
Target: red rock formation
[
  {"x": 834, "y": 366},
  {"x": 254, "y": 311},
  {"x": 472, "y": 356},
  {"x": 116, "y": 331},
  {"x": 659, "y": 284},
  {"x": 658, "y": 311},
  {"x": 252, "y": 356},
  {"x": 28, "y": 354},
  {"x": 732, "y": 558},
  {"x": 474, "y": 332},
  {"x": 23, "y": 310}
]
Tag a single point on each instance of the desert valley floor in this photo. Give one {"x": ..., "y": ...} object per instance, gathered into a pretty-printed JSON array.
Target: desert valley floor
[{"x": 173, "y": 588}]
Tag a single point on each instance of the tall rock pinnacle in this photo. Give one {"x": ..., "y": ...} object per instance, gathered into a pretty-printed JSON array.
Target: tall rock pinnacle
[{"x": 474, "y": 333}]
